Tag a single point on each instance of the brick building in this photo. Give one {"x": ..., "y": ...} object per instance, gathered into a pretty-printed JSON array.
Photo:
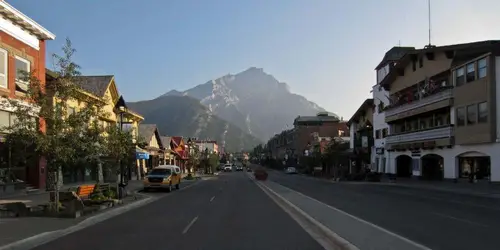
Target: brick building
[{"x": 22, "y": 48}]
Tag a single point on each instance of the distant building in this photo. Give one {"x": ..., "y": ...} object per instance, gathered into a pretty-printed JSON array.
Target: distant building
[{"x": 210, "y": 145}]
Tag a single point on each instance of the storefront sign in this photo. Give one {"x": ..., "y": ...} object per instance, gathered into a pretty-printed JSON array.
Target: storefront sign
[{"x": 141, "y": 155}]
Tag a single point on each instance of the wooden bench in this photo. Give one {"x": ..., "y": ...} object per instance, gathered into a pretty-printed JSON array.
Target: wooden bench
[
  {"x": 84, "y": 191},
  {"x": 103, "y": 187}
]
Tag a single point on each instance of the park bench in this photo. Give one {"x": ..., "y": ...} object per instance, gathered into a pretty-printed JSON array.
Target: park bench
[
  {"x": 103, "y": 187},
  {"x": 84, "y": 191}
]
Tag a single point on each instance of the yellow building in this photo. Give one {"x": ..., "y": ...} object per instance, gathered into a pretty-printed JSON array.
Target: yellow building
[{"x": 114, "y": 112}]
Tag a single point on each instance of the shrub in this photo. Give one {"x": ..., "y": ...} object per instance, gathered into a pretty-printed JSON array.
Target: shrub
[{"x": 189, "y": 177}]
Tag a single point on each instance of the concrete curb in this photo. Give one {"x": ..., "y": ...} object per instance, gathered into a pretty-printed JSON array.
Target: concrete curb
[
  {"x": 327, "y": 238},
  {"x": 46, "y": 237}
]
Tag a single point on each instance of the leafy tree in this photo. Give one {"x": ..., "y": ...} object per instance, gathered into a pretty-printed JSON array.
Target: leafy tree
[
  {"x": 118, "y": 146},
  {"x": 194, "y": 157},
  {"x": 335, "y": 154},
  {"x": 41, "y": 120},
  {"x": 213, "y": 161}
]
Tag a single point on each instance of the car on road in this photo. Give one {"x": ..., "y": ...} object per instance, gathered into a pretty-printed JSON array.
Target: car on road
[
  {"x": 291, "y": 170},
  {"x": 239, "y": 168},
  {"x": 228, "y": 168},
  {"x": 163, "y": 177}
]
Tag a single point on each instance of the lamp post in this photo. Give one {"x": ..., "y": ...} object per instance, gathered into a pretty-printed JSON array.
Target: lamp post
[{"x": 121, "y": 110}]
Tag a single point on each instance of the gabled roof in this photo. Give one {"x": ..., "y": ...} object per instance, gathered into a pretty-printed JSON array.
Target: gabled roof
[
  {"x": 177, "y": 140},
  {"x": 165, "y": 140},
  {"x": 96, "y": 85},
  {"x": 146, "y": 131},
  {"x": 368, "y": 103}
]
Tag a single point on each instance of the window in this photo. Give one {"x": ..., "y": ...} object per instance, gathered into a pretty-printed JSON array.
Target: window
[
  {"x": 421, "y": 62},
  {"x": 3, "y": 68},
  {"x": 423, "y": 124},
  {"x": 380, "y": 107},
  {"x": 377, "y": 134},
  {"x": 482, "y": 112},
  {"x": 22, "y": 68},
  {"x": 471, "y": 72},
  {"x": 384, "y": 133},
  {"x": 414, "y": 65},
  {"x": 4, "y": 119},
  {"x": 482, "y": 68},
  {"x": 471, "y": 114},
  {"x": 460, "y": 116},
  {"x": 459, "y": 77}
]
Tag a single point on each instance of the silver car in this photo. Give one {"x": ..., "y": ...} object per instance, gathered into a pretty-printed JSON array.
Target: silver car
[{"x": 290, "y": 170}]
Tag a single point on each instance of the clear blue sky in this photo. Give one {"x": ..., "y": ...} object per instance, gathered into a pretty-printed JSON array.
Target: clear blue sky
[{"x": 325, "y": 50}]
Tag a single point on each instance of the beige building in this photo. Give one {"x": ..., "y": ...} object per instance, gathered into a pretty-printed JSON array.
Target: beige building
[{"x": 443, "y": 112}]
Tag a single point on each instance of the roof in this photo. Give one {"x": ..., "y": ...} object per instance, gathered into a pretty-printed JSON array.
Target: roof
[
  {"x": 146, "y": 131},
  {"x": 176, "y": 140},
  {"x": 316, "y": 119},
  {"x": 165, "y": 140},
  {"x": 97, "y": 85},
  {"x": 394, "y": 54},
  {"x": 20, "y": 19},
  {"x": 367, "y": 103},
  {"x": 406, "y": 59}
]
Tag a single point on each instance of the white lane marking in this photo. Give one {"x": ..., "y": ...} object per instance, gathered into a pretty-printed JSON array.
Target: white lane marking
[
  {"x": 363, "y": 221},
  {"x": 189, "y": 225},
  {"x": 460, "y": 220},
  {"x": 332, "y": 241},
  {"x": 212, "y": 199}
]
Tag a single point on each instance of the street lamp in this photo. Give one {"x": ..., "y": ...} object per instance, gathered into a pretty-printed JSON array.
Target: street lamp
[{"x": 121, "y": 110}]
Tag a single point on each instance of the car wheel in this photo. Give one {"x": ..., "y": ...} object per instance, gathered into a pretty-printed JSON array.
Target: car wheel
[
  {"x": 178, "y": 185},
  {"x": 169, "y": 189}
]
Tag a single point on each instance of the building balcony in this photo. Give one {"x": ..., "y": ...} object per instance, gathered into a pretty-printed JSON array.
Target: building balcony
[
  {"x": 437, "y": 137},
  {"x": 438, "y": 100}
]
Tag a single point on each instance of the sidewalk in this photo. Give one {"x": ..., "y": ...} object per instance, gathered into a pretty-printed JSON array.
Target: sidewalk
[
  {"x": 482, "y": 189},
  {"x": 25, "y": 227},
  {"x": 360, "y": 233},
  {"x": 35, "y": 199}
]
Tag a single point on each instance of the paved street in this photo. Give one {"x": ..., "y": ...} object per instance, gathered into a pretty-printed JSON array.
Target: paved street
[
  {"x": 225, "y": 212},
  {"x": 438, "y": 220}
]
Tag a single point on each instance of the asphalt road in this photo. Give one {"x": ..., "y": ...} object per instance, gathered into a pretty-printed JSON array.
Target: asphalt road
[
  {"x": 227, "y": 212},
  {"x": 438, "y": 220}
]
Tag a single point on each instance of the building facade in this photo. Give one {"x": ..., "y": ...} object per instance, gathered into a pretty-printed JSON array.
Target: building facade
[
  {"x": 22, "y": 48},
  {"x": 361, "y": 138},
  {"x": 381, "y": 102},
  {"x": 443, "y": 112}
]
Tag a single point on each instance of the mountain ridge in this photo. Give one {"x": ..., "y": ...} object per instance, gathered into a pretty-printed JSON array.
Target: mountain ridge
[{"x": 253, "y": 100}]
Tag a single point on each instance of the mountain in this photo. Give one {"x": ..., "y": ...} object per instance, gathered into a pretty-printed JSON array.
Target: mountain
[
  {"x": 178, "y": 115},
  {"x": 253, "y": 100}
]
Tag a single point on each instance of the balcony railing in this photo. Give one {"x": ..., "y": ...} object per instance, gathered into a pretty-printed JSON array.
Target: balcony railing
[
  {"x": 443, "y": 95},
  {"x": 437, "y": 133}
]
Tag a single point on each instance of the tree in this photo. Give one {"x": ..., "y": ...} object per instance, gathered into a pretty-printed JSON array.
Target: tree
[
  {"x": 118, "y": 145},
  {"x": 213, "y": 161},
  {"x": 42, "y": 121},
  {"x": 335, "y": 153},
  {"x": 193, "y": 161}
]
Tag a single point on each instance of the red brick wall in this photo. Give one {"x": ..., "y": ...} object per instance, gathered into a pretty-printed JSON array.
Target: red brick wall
[{"x": 36, "y": 175}]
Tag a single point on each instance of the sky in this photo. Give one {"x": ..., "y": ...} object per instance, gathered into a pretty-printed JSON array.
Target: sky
[{"x": 325, "y": 50}]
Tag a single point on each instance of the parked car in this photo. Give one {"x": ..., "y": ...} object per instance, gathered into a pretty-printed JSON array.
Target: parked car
[
  {"x": 290, "y": 170},
  {"x": 228, "y": 168},
  {"x": 163, "y": 177}
]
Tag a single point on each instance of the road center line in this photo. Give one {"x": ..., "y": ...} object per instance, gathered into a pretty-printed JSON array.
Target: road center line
[
  {"x": 212, "y": 199},
  {"x": 189, "y": 225}
]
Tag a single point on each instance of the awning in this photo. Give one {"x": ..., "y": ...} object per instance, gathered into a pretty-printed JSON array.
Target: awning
[{"x": 141, "y": 154}]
